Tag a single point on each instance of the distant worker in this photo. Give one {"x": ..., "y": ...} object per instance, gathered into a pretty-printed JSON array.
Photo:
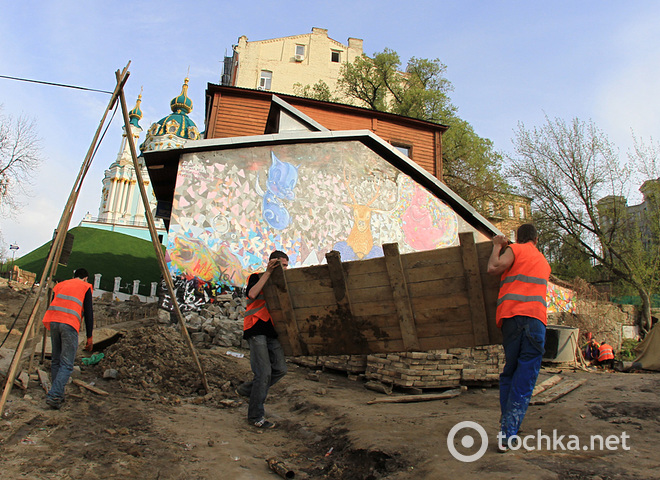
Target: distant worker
[
  {"x": 266, "y": 354},
  {"x": 606, "y": 355},
  {"x": 522, "y": 316},
  {"x": 591, "y": 350},
  {"x": 72, "y": 299}
]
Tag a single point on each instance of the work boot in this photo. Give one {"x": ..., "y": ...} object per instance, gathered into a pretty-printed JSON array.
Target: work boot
[
  {"x": 263, "y": 423},
  {"x": 54, "y": 403}
]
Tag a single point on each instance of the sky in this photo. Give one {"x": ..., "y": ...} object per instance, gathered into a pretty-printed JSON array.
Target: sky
[{"x": 510, "y": 63}]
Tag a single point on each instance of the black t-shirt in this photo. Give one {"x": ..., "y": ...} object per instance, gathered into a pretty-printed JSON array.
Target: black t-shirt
[{"x": 261, "y": 327}]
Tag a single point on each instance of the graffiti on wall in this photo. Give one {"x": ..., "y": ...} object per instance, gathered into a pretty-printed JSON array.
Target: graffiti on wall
[
  {"x": 233, "y": 207},
  {"x": 191, "y": 294},
  {"x": 560, "y": 299}
]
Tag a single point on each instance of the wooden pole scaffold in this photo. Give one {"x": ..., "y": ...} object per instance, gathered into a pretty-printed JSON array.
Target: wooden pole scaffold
[
  {"x": 58, "y": 243},
  {"x": 60, "y": 235}
]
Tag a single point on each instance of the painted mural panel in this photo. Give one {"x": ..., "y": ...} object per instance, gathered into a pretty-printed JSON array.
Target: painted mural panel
[
  {"x": 233, "y": 207},
  {"x": 560, "y": 299}
]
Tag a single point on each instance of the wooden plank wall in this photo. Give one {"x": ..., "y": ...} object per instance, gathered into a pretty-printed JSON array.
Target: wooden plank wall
[{"x": 412, "y": 302}]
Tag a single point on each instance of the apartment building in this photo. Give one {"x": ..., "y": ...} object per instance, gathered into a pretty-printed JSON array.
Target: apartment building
[{"x": 277, "y": 64}]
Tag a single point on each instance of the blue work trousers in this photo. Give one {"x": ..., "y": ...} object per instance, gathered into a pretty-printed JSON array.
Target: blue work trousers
[
  {"x": 64, "y": 345},
  {"x": 524, "y": 341},
  {"x": 269, "y": 366}
]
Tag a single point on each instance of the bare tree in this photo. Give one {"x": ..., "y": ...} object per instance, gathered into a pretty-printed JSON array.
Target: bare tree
[
  {"x": 578, "y": 185},
  {"x": 19, "y": 158}
]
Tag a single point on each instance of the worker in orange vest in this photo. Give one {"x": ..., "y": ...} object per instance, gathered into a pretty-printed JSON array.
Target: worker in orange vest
[
  {"x": 266, "y": 354},
  {"x": 72, "y": 300},
  {"x": 606, "y": 355},
  {"x": 522, "y": 315},
  {"x": 591, "y": 350}
]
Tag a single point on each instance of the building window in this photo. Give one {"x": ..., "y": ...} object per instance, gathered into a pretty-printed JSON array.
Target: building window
[
  {"x": 300, "y": 53},
  {"x": 491, "y": 209},
  {"x": 335, "y": 56},
  {"x": 405, "y": 149},
  {"x": 512, "y": 235},
  {"x": 264, "y": 81},
  {"x": 511, "y": 211},
  {"x": 521, "y": 211}
]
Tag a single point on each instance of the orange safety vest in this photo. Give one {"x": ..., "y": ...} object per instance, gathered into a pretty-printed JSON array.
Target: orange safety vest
[
  {"x": 67, "y": 304},
  {"x": 523, "y": 286},
  {"x": 605, "y": 353},
  {"x": 255, "y": 311}
]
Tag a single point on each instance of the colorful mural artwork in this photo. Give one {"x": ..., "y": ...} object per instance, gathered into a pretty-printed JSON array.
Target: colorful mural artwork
[
  {"x": 282, "y": 179},
  {"x": 233, "y": 207},
  {"x": 560, "y": 299}
]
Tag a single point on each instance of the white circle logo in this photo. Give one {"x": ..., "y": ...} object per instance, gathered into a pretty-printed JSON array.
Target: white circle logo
[{"x": 467, "y": 441}]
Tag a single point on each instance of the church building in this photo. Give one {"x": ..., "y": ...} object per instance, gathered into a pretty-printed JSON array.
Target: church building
[{"x": 122, "y": 209}]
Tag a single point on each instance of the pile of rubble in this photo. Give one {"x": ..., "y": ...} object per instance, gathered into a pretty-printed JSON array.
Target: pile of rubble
[
  {"x": 156, "y": 362},
  {"x": 217, "y": 324}
]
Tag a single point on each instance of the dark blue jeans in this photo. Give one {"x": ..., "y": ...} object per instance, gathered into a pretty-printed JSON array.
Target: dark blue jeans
[
  {"x": 64, "y": 344},
  {"x": 269, "y": 366},
  {"x": 524, "y": 341}
]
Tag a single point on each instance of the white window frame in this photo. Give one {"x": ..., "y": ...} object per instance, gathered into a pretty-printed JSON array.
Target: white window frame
[
  {"x": 521, "y": 212},
  {"x": 332, "y": 53},
  {"x": 300, "y": 49},
  {"x": 265, "y": 80}
]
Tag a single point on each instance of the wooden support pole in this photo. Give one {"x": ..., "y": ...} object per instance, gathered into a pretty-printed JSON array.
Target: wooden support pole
[
  {"x": 156, "y": 243},
  {"x": 474, "y": 288},
  {"x": 58, "y": 241},
  {"x": 401, "y": 298}
]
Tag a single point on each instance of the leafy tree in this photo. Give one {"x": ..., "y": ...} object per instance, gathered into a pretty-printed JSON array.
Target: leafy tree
[
  {"x": 421, "y": 91},
  {"x": 578, "y": 185},
  {"x": 319, "y": 91},
  {"x": 19, "y": 159},
  {"x": 471, "y": 166}
]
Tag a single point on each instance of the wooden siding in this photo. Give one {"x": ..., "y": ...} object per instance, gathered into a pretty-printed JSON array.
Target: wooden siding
[
  {"x": 234, "y": 116},
  {"x": 241, "y": 112}
]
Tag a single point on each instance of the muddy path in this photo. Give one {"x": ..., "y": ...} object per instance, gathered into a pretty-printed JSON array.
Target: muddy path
[{"x": 156, "y": 423}]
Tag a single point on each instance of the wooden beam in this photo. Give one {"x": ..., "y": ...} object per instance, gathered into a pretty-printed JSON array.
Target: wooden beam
[
  {"x": 89, "y": 387},
  {"x": 544, "y": 385},
  {"x": 338, "y": 280},
  {"x": 474, "y": 288},
  {"x": 43, "y": 379},
  {"x": 400, "y": 294},
  {"x": 558, "y": 391},
  {"x": 22, "y": 380},
  {"x": 279, "y": 280},
  {"x": 455, "y": 392}
]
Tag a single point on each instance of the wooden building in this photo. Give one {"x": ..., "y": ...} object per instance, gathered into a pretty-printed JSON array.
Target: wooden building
[{"x": 237, "y": 112}]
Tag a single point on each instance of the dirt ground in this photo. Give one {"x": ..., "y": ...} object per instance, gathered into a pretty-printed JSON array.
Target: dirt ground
[{"x": 155, "y": 423}]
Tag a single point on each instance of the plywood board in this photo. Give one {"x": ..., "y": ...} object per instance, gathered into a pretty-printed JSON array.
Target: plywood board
[{"x": 400, "y": 302}]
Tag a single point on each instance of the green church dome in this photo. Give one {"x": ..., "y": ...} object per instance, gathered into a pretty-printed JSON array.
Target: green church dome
[
  {"x": 175, "y": 129},
  {"x": 136, "y": 114}
]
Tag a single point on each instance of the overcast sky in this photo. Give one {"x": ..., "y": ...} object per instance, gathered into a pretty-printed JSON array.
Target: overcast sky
[{"x": 509, "y": 62}]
